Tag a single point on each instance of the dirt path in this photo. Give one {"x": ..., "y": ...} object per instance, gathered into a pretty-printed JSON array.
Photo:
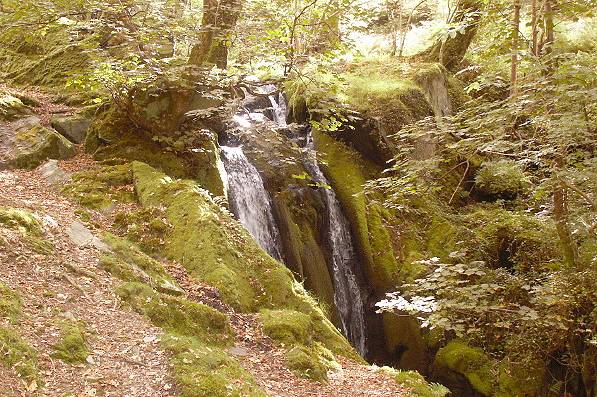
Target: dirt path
[{"x": 125, "y": 357}]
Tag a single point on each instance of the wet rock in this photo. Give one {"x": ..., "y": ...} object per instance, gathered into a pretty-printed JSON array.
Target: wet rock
[
  {"x": 74, "y": 127},
  {"x": 26, "y": 144}
]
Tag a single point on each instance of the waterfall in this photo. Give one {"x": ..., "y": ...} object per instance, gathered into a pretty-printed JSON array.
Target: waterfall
[
  {"x": 280, "y": 109},
  {"x": 348, "y": 295},
  {"x": 249, "y": 200}
]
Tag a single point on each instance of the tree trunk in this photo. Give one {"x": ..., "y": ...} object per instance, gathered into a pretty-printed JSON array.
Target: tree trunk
[
  {"x": 534, "y": 30},
  {"x": 561, "y": 218},
  {"x": 218, "y": 21},
  {"x": 451, "y": 51},
  {"x": 515, "y": 28}
]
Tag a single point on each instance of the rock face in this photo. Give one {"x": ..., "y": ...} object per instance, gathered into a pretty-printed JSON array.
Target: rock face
[
  {"x": 74, "y": 128},
  {"x": 53, "y": 173},
  {"x": 27, "y": 144}
]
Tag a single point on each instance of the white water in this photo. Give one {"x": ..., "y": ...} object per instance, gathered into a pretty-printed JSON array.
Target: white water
[
  {"x": 348, "y": 296},
  {"x": 249, "y": 200}
]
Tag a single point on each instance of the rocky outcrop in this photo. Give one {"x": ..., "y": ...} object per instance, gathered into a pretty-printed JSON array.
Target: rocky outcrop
[
  {"x": 27, "y": 143},
  {"x": 72, "y": 127}
]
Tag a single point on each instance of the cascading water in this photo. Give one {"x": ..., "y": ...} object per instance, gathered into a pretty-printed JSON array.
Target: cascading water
[
  {"x": 348, "y": 294},
  {"x": 249, "y": 200}
]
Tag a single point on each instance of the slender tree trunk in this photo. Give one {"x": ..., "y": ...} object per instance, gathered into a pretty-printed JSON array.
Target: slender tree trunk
[
  {"x": 560, "y": 203},
  {"x": 397, "y": 28},
  {"x": 408, "y": 22},
  {"x": 514, "y": 66},
  {"x": 534, "y": 30}
]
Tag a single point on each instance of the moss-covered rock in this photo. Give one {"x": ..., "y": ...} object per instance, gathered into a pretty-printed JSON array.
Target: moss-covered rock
[
  {"x": 457, "y": 360},
  {"x": 18, "y": 354},
  {"x": 74, "y": 128},
  {"x": 72, "y": 346},
  {"x": 503, "y": 179},
  {"x": 113, "y": 137},
  {"x": 348, "y": 173},
  {"x": 148, "y": 227},
  {"x": 29, "y": 228},
  {"x": 207, "y": 371},
  {"x": 10, "y": 304},
  {"x": 520, "y": 379},
  {"x": 101, "y": 187},
  {"x": 127, "y": 262},
  {"x": 415, "y": 383},
  {"x": 177, "y": 315},
  {"x": 28, "y": 144},
  {"x": 11, "y": 107}
]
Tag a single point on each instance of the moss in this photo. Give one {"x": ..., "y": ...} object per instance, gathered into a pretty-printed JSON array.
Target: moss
[
  {"x": 178, "y": 315},
  {"x": 28, "y": 226},
  {"x": 17, "y": 354},
  {"x": 416, "y": 384},
  {"x": 470, "y": 362},
  {"x": 520, "y": 379},
  {"x": 112, "y": 137},
  {"x": 206, "y": 371},
  {"x": 287, "y": 326},
  {"x": 307, "y": 363},
  {"x": 214, "y": 248},
  {"x": 508, "y": 239},
  {"x": 72, "y": 347},
  {"x": 501, "y": 179},
  {"x": 148, "y": 227},
  {"x": 10, "y": 304},
  {"x": 348, "y": 173},
  {"x": 100, "y": 188},
  {"x": 127, "y": 262},
  {"x": 35, "y": 143}
]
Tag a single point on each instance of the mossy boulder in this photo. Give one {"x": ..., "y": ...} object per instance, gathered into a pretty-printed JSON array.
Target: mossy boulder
[
  {"x": 415, "y": 383},
  {"x": 11, "y": 107},
  {"x": 27, "y": 225},
  {"x": 127, "y": 262},
  {"x": 113, "y": 138},
  {"x": 456, "y": 361},
  {"x": 503, "y": 179},
  {"x": 28, "y": 144},
  {"x": 72, "y": 348},
  {"x": 101, "y": 187}
]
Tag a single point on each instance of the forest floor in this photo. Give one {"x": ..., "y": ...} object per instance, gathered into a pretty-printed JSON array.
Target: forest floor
[{"x": 125, "y": 357}]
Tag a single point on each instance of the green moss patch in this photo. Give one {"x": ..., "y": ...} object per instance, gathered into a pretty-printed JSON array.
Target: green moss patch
[
  {"x": 470, "y": 362},
  {"x": 148, "y": 227},
  {"x": 28, "y": 226},
  {"x": 127, "y": 262},
  {"x": 10, "y": 304},
  {"x": 17, "y": 354},
  {"x": 416, "y": 384},
  {"x": 72, "y": 346},
  {"x": 100, "y": 188},
  {"x": 177, "y": 315}
]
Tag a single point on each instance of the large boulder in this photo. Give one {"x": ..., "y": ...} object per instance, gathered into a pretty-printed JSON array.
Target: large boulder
[
  {"x": 72, "y": 127},
  {"x": 27, "y": 144}
]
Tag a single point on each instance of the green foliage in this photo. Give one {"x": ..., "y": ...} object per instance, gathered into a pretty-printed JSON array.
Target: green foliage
[
  {"x": 16, "y": 353},
  {"x": 503, "y": 179},
  {"x": 10, "y": 304},
  {"x": 72, "y": 347}
]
